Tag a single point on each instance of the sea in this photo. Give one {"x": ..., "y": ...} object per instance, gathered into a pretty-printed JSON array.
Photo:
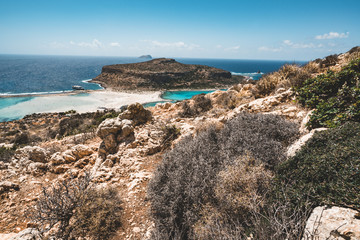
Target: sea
[{"x": 24, "y": 77}]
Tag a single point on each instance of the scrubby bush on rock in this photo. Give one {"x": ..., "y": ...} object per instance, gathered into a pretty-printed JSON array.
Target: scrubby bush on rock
[
  {"x": 187, "y": 179},
  {"x": 288, "y": 76},
  {"x": 201, "y": 104},
  {"x": 73, "y": 208},
  {"x": 335, "y": 96}
]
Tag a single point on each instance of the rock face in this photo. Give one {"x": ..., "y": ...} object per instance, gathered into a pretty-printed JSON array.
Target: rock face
[
  {"x": 335, "y": 223},
  {"x": 27, "y": 234},
  {"x": 121, "y": 129},
  {"x": 163, "y": 73}
]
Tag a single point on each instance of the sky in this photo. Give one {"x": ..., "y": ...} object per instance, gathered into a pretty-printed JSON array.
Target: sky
[{"x": 234, "y": 29}]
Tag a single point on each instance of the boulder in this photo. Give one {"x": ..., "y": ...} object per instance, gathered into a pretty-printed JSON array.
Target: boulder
[
  {"x": 80, "y": 151},
  {"x": 137, "y": 113},
  {"x": 335, "y": 223},
  {"x": 32, "y": 153},
  {"x": 120, "y": 129},
  {"x": 109, "y": 126}
]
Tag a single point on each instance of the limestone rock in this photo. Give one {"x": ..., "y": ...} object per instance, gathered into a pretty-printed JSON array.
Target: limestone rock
[
  {"x": 71, "y": 155},
  {"x": 32, "y": 153},
  {"x": 305, "y": 120},
  {"x": 121, "y": 129},
  {"x": 137, "y": 113},
  {"x": 37, "y": 168},
  {"x": 293, "y": 148},
  {"x": 109, "y": 126},
  {"x": 335, "y": 223},
  {"x": 28, "y": 234},
  {"x": 80, "y": 151}
]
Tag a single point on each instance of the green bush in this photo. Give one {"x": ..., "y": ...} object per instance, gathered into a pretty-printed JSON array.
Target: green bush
[
  {"x": 335, "y": 96},
  {"x": 325, "y": 170},
  {"x": 7, "y": 153},
  {"x": 185, "y": 181}
]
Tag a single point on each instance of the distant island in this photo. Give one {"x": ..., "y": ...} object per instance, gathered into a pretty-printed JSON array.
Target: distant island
[
  {"x": 146, "y": 56},
  {"x": 164, "y": 73}
]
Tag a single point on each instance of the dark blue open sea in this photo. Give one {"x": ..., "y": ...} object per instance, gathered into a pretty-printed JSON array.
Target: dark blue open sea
[{"x": 31, "y": 74}]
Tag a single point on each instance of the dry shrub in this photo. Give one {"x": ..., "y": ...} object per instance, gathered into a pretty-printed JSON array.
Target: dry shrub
[
  {"x": 239, "y": 190},
  {"x": 203, "y": 126},
  {"x": 99, "y": 216},
  {"x": 73, "y": 208},
  {"x": 186, "y": 179},
  {"x": 241, "y": 183},
  {"x": 289, "y": 75}
]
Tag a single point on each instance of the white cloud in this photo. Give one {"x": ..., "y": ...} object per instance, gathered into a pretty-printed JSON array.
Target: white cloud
[
  {"x": 176, "y": 45},
  {"x": 301, "y": 45},
  {"x": 115, "y": 44},
  {"x": 235, "y": 48},
  {"x": 94, "y": 44},
  {"x": 332, "y": 35},
  {"x": 269, "y": 49},
  {"x": 57, "y": 45}
]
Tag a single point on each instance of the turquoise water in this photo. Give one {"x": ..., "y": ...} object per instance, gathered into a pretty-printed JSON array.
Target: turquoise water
[
  {"x": 173, "y": 96},
  {"x": 182, "y": 95},
  {"x": 6, "y": 102}
]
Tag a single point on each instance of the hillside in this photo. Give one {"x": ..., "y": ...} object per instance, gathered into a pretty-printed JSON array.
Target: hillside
[
  {"x": 163, "y": 73},
  {"x": 274, "y": 160}
]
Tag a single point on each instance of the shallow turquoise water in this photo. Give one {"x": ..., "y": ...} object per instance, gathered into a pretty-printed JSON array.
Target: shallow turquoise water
[
  {"x": 174, "y": 96},
  {"x": 6, "y": 102},
  {"x": 182, "y": 95}
]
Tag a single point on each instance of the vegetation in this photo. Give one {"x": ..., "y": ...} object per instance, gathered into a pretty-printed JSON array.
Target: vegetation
[
  {"x": 73, "y": 208},
  {"x": 197, "y": 173},
  {"x": 288, "y": 76},
  {"x": 325, "y": 170},
  {"x": 7, "y": 153},
  {"x": 335, "y": 96},
  {"x": 170, "y": 134}
]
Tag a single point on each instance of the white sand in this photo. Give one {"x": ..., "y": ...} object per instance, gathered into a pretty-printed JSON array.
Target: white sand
[{"x": 84, "y": 102}]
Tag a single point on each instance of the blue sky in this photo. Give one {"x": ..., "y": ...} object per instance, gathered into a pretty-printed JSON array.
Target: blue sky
[{"x": 285, "y": 30}]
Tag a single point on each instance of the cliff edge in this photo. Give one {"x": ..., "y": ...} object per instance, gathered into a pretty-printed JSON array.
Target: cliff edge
[{"x": 163, "y": 73}]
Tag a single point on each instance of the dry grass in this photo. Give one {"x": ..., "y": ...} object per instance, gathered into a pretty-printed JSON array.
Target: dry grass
[{"x": 288, "y": 76}]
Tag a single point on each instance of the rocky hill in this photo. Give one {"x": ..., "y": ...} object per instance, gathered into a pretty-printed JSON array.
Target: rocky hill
[
  {"x": 163, "y": 73},
  {"x": 241, "y": 154}
]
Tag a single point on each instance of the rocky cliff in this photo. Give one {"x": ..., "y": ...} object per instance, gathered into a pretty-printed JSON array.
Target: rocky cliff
[{"x": 163, "y": 73}]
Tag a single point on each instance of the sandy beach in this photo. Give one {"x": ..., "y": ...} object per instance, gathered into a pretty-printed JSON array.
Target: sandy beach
[{"x": 81, "y": 102}]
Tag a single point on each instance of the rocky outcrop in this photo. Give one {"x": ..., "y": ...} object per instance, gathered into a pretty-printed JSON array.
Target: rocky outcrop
[
  {"x": 28, "y": 234},
  {"x": 163, "y": 73},
  {"x": 296, "y": 146},
  {"x": 121, "y": 129},
  {"x": 335, "y": 223}
]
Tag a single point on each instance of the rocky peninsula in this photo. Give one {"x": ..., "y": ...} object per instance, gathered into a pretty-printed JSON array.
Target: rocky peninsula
[{"x": 164, "y": 74}]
